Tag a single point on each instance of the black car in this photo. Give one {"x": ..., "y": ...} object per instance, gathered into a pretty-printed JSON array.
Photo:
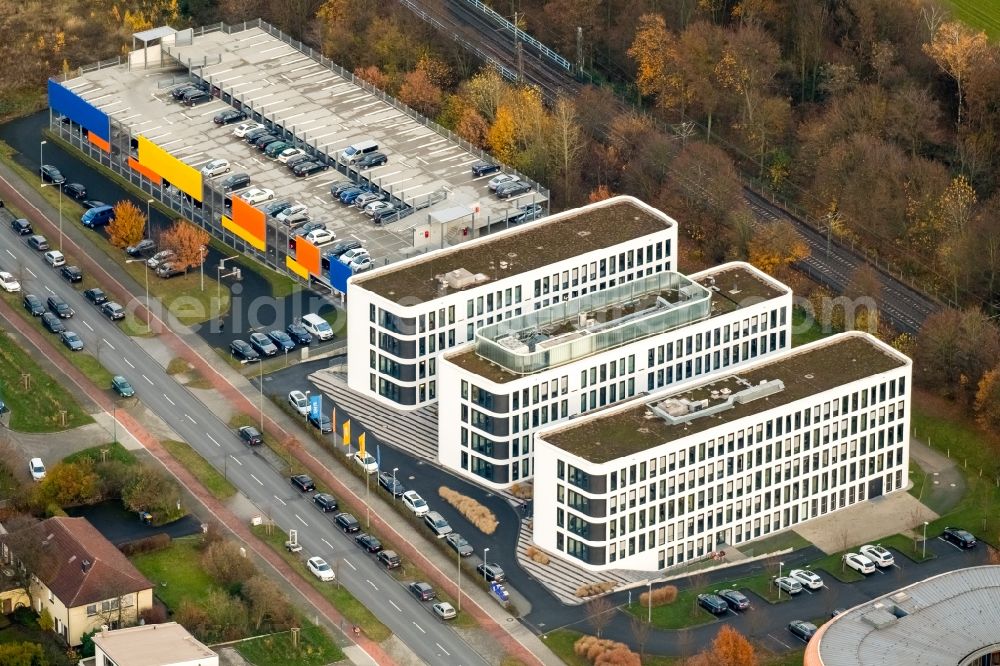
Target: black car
[
  {"x": 235, "y": 181},
  {"x": 273, "y": 208},
  {"x": 491, "y": 572},
  {"x": 303, "y": 482},
  {"x": 347, "y": 522},
  {"x": 513, "y": 189},
  {"x": 72, "y": 273},
  {"x": 299, "y": 333},
  {"x": 195, "y": 97},
  {"x": 60, "y": 307},
  {"x": 52, "y": 174},
  {"x": 37, "y": 242},
  {"x": 388, "y": 214},
  {"x": 802, "y": 629},
  {"x": 281, "y": 340},
  {"x": 713, "y": 603},
  {"x": 338, "y": 186},
  {"x": 243, "y": 351},
  {"x": 33, "y": 304},
  {"x": 95, "y": 295},
  {"x": 228, "y": 117},
  {"x": 308, "y": 168},
  {"x": 71, "y": 340},
  {"x": 959, "y": 537},
  {"x": 250, "y": 436},
  {"x": 92, "y": 203},
  {"x": 52, "y": 323},
  {"x": 368, "y": 542},
  {"x": 388, "y": 481},
  {"x": 736, "y": 600},
  {"x": 310, "y": 226},
  {"x": 141, "y": 249},
  {"x": 21, "y": 227},
  {"x": 75, "y": 190},
  {"x": 389, "y": 559},
  {"x": 371, "y": 160},
  {"x": 484, "y": 168},
  {"x": 113, "y": 311},
  {"x": 253, "y": 134},
  {"x": 343, "y": 246},
  {"x": 263, "y": 139},
  {"x": 325, "y": 501},
  {"x": 181, "y": 90},
  {"x": 323, "y": 423},
  {"x": 298, "y": 159},
  {"x": 423, "y": 591}
]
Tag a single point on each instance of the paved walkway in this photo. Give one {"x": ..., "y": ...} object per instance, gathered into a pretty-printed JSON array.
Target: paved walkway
[{"x": 944, "y": 486}]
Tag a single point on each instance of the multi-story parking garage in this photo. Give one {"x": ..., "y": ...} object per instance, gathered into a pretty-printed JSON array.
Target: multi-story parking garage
[{"x": 121, "y": 113}]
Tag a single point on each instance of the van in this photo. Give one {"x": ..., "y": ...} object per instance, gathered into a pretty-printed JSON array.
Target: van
[
  {"x": 98, "y": 217},
  {"x": 355, "y": 152},
  {"x": 317, "y": 326}
]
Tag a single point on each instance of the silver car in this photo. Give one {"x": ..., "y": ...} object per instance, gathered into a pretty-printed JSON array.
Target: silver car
[{"x": 215, "y": 168}]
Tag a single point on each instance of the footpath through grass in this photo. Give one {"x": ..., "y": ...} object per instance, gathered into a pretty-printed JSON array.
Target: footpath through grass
[
  {"x": 34, "y": 406},
  {"x": 209, "y": 477}
]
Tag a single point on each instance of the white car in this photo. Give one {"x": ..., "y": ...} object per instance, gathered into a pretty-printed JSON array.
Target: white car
[
  {"x": 159, "y": 258},
  {"x": 859, "y": 563},
  {"x": 256, "y": 195},
  {"x": 375, "y": 207},
  {"x": 294, "y": 213},
  {"x": 8, "y": 283},
  {"x": 321, "y": 236},
  {"x": 500, "y": 179},
  {"x": 415, "y": 503},
  {"x": 789, "y": 585},
  {"x": 320, "y": 569},
  {"x": 808, "y": 578},
  {"x": 37, "y": 469},
  {"x": 55, "y": 258},
  {"x": 299, "y": 402},
  {"x": 361, "y": 264},
  {"x": 242, "y": 129},
  {"x": 366, "y": 462},
  {"x": 215, "y": 168},
  {"x": 444, "y": 610},
  {"x": 289, "y": 153},
  {"x": 877, "y": 554},
  {"x": 351, "y": 255}
]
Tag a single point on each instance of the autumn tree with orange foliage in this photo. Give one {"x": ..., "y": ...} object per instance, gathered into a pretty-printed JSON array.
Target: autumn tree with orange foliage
[
  {"x": 375, "y": 76},
  {"x": 775, "y": 246},
  {"x": 188, "y": 242},
  {"x": 128, "y": 226},
  {"x": 419, "y": 93},
  {"x": 957, "y": 50},
  {"x": 599, "y": 193},
  {"x": 730, "y": 648}
]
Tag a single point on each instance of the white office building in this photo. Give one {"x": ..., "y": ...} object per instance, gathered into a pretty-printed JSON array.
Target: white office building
[
  {"x": 403, "y": 316},
  {"x": 526, "y": 373},
  {"x": 666, "y": 479}
]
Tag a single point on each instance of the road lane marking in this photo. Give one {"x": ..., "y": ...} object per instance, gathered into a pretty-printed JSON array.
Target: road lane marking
[
  {"x": 419, "y": 627},
  {"x": 88, "y": 325},
  {"x": 191, "y": 419},
  {"x": 11, "y": 253},
  {"x": 129, "y": 362},
  {"x": 372, "y": 584},
  {"x": 328, "y": 543},
  {"x": 49, "y": 290},
  {"x": 169, "y": 400},
  {"x": 108, "y": 343},
  {"x": 259, "y": 481},
  {"x": 213, "y": 440},
  {"x": 302, "y": 521},
  {"x": 32, "y": 273},
  {"x": 348, "y": 563},
  {"x": 236, "y": 460},
  {"x": 283, "y": 503},
  {"x": 148, "y": 380},
  {"x": 442, "y": 649},
  {"x": 395, "y": 606}
]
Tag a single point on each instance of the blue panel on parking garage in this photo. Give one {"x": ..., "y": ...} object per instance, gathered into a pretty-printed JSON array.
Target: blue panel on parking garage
[
  {"x": 83, "y": 113},
  {"x": 338, "y": 275}
]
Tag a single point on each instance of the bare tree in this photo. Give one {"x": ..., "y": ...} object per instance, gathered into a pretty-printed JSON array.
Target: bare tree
[
  {"x": 599, "y": 612},
  {"x": 640, "y": 632}
]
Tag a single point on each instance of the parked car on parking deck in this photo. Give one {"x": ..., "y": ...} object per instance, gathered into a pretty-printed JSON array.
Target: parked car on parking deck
[
  {"x": 500, "y": 179},
  {"x": 244, "y": 128},
  {"x": 256, "y": 195},
  {"x": 342, "y": 247},
  {"x": 484, "y": 168},
  {"x": 361, "y": 264},
  {"x": 320, "y": 237},
  {"x": 299, "y": 333},
  {"x": 294, "y": 213},
  {"x": 272, "y": 209},
  {"x": 288, "y": 153},
  {"x": 365, "y": 199},
  {"x": 276, "y": 148},
  {"x": 309, "y": 168},
  {"x": 508, "y": 190},
  {"x": 371, "y": 160},
  {"x": 228, "y": 117}
]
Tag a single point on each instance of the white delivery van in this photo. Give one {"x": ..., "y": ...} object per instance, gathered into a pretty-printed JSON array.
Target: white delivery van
[
  {"x": 317, "y": 326},
  {"x": 355, "y": 152}
]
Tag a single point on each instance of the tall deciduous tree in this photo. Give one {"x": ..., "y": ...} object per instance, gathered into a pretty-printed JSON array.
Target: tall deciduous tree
[
  {"x": 567, "y": 143},
  {"x": 502, "y": 135},
  {"x": 188, "y": 242},
  {"x": 69, "y": 484},
  {"x": 655, "y": 52},
  {"x": 988, "y": 400},
  {"x": 775, "y": 246},
  {"x": 267, "y": 604},
  {"x": 420, "y": 93},
  {"x": 954, "y": 350},
  {"x": 748, "y": 66},
  {"x": 731, "y": 648},
  {"x": 129, "y": 225},
  {"x": 956, "y": 49}
]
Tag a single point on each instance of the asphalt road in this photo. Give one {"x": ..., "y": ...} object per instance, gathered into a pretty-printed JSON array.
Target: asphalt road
[{"x": 195, "y": 423}]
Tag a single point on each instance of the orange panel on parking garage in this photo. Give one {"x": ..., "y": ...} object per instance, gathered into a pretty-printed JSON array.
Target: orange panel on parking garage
[
  {"x": 251, "y": 220},
  {"x": 99, "y": 142},
  {"x": 307, "y": 255},
  {"x": 150, "y": 175},
  {"x": 235, "y": 229}
]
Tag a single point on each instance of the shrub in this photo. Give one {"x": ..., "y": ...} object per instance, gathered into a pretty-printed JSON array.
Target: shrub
[
  {"x": 537, "y": 555},
  {"x": 665, "y": 594},
  {"x": 603, "y": 652},
  {"x": 594, "y": 589},
  {"x": 476, "y": 513},
  {"x": 223, "y": 561},
  {"x": 522, "y": 490},
  {"x": 146, "y": 544},
  {"x": 155, "y": 614}
]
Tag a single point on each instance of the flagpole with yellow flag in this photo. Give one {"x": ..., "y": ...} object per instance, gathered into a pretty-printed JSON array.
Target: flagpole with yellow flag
[
  {"x": 361, "y": 444},
  {"x": 347, "y": 435}
]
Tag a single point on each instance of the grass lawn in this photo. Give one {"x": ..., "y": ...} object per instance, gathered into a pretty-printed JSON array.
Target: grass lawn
[
  {"x": 35, "y": 408},
  {"x": 982, "y": 14},
  {"x": 315, "y": 648},
  {"x": 176, "y": 572},
  {"x": 806, "y": 329},
  {"x": 115, "y": 451},
  {"x": 834, "y": 565},
  {"x": 181, "y": 295},
  {"x": 209, "y": 477},
  {"x": 905, "y": 545},
  {"x": 353, "y": 610},
  {"x": 774, "y": 543}
]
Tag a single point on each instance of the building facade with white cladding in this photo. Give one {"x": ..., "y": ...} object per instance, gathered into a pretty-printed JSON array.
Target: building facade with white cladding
[
  {"x": 403, "y": 316},
  {"x": 573, "y": 357},
  {"x": 666, "y": 479}
]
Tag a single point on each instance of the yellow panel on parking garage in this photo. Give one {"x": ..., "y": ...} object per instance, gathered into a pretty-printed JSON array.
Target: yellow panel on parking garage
[{"x": 185, "y": 178}]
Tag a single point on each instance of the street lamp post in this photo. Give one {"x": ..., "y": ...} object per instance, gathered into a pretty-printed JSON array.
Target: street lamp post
[
  {"x": 368, "y": 510},
  {"x": 458, "y": 561},
  {"x": 148, "y": 232},
  {"x": 394, "y": 469},
  {"x": 60, "y": 210},
  {"x": 146, "y": 273},
  {"x": 485, "y": 550},
  {"x": 41, "y": 159},
  {"x": 649, "y": 602},
  {"x": 924, "y": 555}
]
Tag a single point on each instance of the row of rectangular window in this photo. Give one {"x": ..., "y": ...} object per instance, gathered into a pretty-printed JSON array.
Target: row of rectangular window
[{"x": 626, "y": 260}]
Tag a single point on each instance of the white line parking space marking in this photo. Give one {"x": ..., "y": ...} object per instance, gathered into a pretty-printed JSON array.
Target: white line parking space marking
[
  {"x": 213, "y": 439},
  {"x": 49, "y": 290},
  {"x": 283, "y": 503},
  {"x": 108, "y": 343},
  {"x": 419, "y": 627},
  {"x": 236, "y": 460},
  {"x": 302, "y": 521},
  {"x": 148, "y": 380},
  {"x": 191, "y": 419},
  {"x": 129, "y": 362},
  {"x": 11, "y": 253},
  {"x": 395, "y": 606},
  {"x": 442, "y": 649},
  {"x": 258, "y": 481},
  {"x": 772, "y": 636},
  {"x": 168, "y": 399},
  {"x": 348, "y": 563}
]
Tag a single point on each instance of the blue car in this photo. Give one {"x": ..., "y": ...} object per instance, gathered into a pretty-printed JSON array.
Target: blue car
[
  {"x": 348, "y": 196},
  {"x": 281, "y": 340}
]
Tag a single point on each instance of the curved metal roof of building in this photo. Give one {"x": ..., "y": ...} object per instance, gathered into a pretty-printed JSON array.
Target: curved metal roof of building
[{"x": 939, "y": 621}]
